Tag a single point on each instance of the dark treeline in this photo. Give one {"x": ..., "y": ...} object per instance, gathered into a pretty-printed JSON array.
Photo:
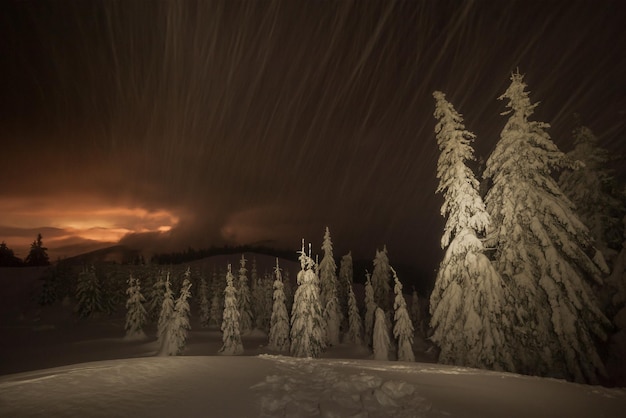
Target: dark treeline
[{"x": 37, "y": 256}]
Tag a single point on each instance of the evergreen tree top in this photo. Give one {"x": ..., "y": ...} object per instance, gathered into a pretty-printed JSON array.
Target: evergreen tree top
[
  {"x": 327, "y": 245},
  {"x": 277, "y": 271},
  {"x": 519, "y": 99},
  {"x": 38, "y": 255},
  {"x": 242, "y": 264},
  {"x": 462, "y": 205},
  {"x": 525, "y": 149}
]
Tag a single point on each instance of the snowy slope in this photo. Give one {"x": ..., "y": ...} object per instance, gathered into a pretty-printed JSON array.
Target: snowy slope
[{"x": 284, "y": 386}]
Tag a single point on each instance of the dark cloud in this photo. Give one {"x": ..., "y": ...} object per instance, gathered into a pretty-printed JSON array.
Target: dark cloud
[{"x": 266, "y": 121}]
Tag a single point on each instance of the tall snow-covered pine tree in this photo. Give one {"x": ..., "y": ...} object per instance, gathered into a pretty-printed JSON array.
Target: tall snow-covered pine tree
[
  {"x": 468, "y": 305},
  {"x": 543, "y": 250}
]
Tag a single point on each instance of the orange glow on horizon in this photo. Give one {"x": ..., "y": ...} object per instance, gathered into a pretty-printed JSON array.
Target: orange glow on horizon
[{"x": 75, "y": 220}]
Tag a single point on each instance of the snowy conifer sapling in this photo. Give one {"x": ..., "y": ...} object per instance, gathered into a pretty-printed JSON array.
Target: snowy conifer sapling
[
  {"x": 307, "y": 326},
  {"x": 328, "y": 292},
  {"x": 89, "y": 293},
  {"x": 279, "y": 323},
  {"x": 165, "y": 317},
  {"x": 416, "y": 312},
  {"x": 231, "y": 337},
  {"x": 355, "y": 327},
  {"x": 243, "y": 298},
  {"x": 381, "y": 342},
  {"x": 155, "y": 297},
  {"x": 370, "y": 309},
  {"x": 403, "y": 327},
  {"x": 381, "y": 278},
  {"x": 135, "y": 311},
  {"x": 346, "y": 278},
  {"x": 205, "y": 306},
  {"x": 217, "y": 309}
]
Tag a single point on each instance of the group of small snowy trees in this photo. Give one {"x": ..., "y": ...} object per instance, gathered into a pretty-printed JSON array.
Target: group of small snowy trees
[
  {"x": 513, "y": 291},
  {"x": 384, "y": 317},
  {"x": 173, "y": 317},
  {"x": 173, "y": 324},
  {"x": 317, "y": 313}
]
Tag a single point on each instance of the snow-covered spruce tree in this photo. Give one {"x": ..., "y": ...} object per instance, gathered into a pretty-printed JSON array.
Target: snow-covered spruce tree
[
  {"x": 307, "y": 324},
  {"x": 370, "y": 309},
  {"x": 205, "y": 306},
  {"x": 346, "y": 278},
  {"x": 136, "y": 314},
  {"x": 416, "y": 313},
  {"x": 257, "y": 298},
  {"x": 217, "y": 301},
  {"x": 469, "y": 317},
  {"x": 243, "y": 298},
  {"x": 260, "y": 306},
  {"x": 231, "y": 337},
  {"x": 166, "y": 314},
  {"x": 176, "y": 328},
  {"x": 180, "y": 319},
  {"x": 381, "y": 343},
  {"x": 403, "y": 327},
  {"x": 268, "y": 301},
  {"x": 355, "y": 327},
  {"x": 254, "y": 276},
  {"x": 593, "y": 190},
  {"x": 288, "y": 287},
  {"x": 279, "y": 324},
  {"x": 88, "y": 293},
  {"x": 381, "y": 278},
  {"x": 542, "y": 250},
  {"x": 617, "y": 279},
  {"x": 155, "y": 297},
  {"x": 328, "y": 292}
]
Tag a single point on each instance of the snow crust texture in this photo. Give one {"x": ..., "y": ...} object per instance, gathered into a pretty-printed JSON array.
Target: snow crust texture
[{"x": 311, "y": 388}]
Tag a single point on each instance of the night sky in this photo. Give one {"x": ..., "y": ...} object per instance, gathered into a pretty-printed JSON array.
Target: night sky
[{"x": 177, "y": 124}]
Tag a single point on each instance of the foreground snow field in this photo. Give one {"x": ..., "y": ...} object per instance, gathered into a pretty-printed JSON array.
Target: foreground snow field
[{"x": 274, "y": 386}]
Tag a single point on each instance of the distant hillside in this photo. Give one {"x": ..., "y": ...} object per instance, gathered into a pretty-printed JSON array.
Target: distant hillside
[
  {"x": 119, "y": 254},
  {"x": 219, "y": 260},
  {"x": 264, "y": 264}
]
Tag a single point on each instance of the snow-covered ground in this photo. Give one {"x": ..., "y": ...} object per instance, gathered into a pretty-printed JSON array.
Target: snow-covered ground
[
  {"x": 277, "y": 386},
  {"x": 54, "y": 365}
]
